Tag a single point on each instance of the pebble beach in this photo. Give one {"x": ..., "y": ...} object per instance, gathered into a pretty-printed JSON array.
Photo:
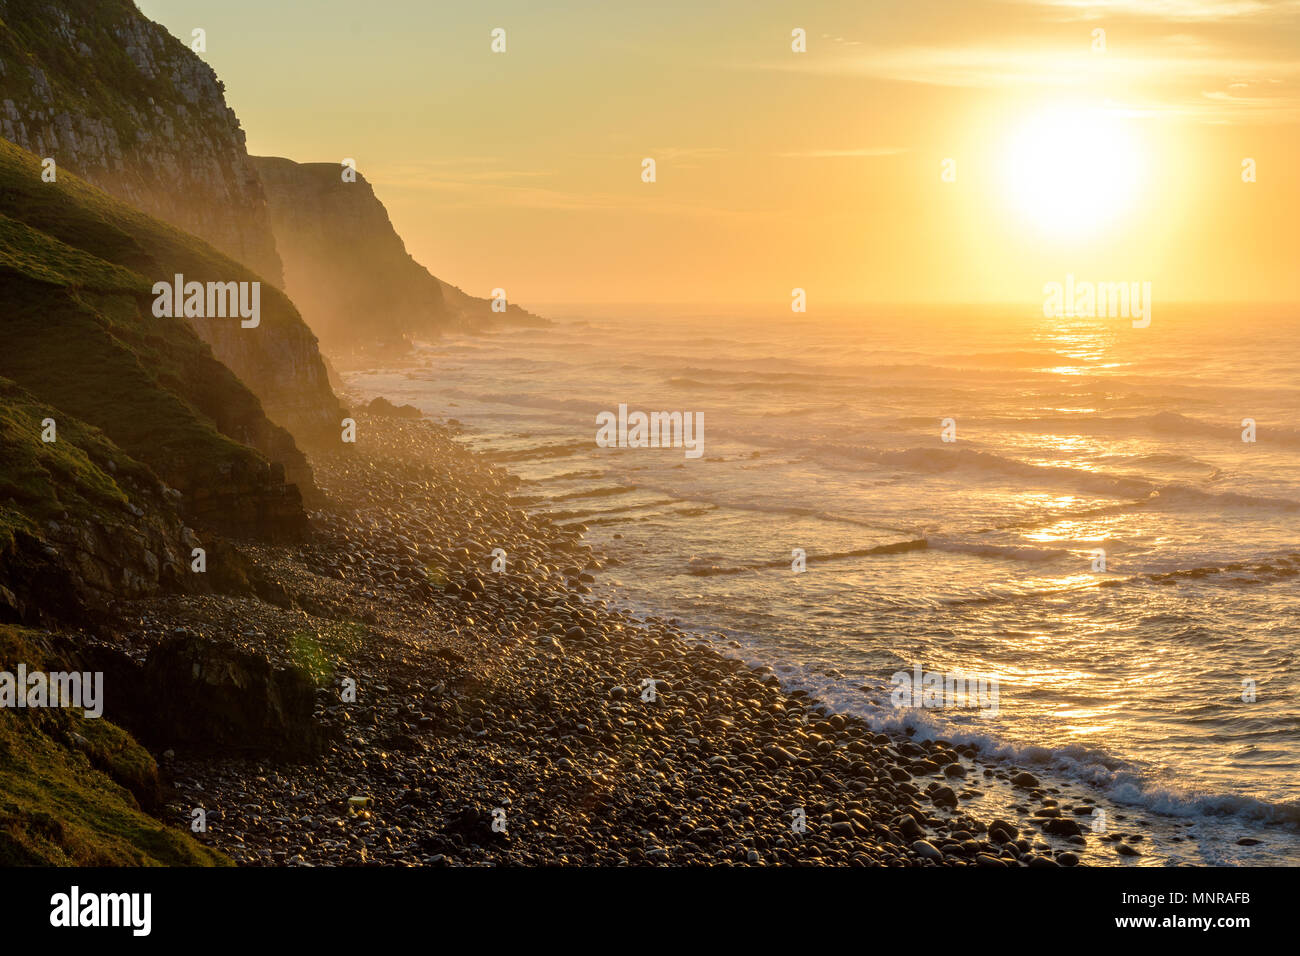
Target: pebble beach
[{"x": 473, "y": 716}]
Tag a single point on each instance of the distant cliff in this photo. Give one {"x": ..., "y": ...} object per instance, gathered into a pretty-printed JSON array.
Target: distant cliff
[
  {"x": 348, "y": 270},
  {"x": 112, "y": 96}
]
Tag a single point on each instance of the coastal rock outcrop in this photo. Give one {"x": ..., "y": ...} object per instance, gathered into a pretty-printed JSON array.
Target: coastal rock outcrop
[
  {"x": 209, "y": 694},
  {"x": 348, "y": 270}
]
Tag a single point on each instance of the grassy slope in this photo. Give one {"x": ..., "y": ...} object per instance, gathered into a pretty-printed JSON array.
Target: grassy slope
[
  {"x": 84, "y": 217},
  {"x": 66, "y": 785},
  {"x": 81, "y": 473},
  {"x": 81, "y": 335},
  {"x": 89, "y": 219}
]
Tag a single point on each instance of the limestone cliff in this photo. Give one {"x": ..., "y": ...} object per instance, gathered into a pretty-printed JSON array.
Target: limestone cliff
[{"x": 113, "y": 97}]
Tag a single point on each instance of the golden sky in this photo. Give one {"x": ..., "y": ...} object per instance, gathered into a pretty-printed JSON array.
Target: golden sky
[{"x": 775, "y": 169}]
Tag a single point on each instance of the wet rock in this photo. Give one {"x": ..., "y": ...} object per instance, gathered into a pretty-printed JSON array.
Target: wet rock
[{"x": 927, "y": 851}]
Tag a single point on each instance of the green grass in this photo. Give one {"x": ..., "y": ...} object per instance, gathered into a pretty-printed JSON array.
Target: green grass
[
  {"x": 79, "y": 474},
  {"x": 80, "y": 332},
  {"x": 65, "y": 346},
  {"x": 84, "y": 217},
  {"x": 67, "y": 782},
  {"x": 45, "y": 259},
  {"x": 315, "y": 651}
]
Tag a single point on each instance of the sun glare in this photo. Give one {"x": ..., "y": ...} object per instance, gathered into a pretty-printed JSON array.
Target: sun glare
[{"x": 1071, "y": 171}]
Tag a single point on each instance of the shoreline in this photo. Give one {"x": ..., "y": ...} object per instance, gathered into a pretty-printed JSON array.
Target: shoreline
[
  {"x": 515, "y": 698},
  {"x": 1244, "y": 821}
]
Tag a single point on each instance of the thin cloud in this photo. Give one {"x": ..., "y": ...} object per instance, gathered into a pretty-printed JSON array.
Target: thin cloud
[
  {"x": 1175, "y": 80},
  {"x": 468, "y": 169},
  {"x": 1191, "y": 11},
  {"x": 479, "y": 195},
  {"x": 864, "y": 152}
]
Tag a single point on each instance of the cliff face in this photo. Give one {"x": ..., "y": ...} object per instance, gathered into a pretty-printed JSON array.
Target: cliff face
[
  {"x": 348, "y": 270},
  {"x": 345, "y": 266},
  {"x": 113, "y": 97}
]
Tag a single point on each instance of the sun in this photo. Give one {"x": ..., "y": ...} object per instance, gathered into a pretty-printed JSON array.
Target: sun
[{"x": 1071, "y": 171}]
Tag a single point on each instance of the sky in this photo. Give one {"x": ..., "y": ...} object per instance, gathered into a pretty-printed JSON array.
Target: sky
[{"x": 920, "y": 151}]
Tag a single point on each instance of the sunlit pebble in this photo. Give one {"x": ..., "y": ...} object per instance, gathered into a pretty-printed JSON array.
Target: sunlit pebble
[{"x": 698, "y": 709}]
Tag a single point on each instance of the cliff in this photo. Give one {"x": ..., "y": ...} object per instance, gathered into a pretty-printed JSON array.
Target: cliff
[
  {"x": 348, "y": 270},
  {"x": 81, "y": 522},
  {"x": 113, "y": 97}
]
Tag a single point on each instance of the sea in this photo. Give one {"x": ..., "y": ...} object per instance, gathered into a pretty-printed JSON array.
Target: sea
[{"x": 1102, "y": 518}]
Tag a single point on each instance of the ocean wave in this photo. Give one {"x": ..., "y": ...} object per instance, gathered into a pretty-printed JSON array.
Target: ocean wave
[
  {"x": 744, "y": 380},
  {"x": 1164, "y": 423},
  {"x": 950, "y": 459},
  {"x": 1008, "y": 551},
  {"x": 1268, "y": 570},
  {"x": 1117, "y": 779},
  {"x": 548, "y": 450},
  {"x": 731, "y": 385},
  {"x": 817, "y": 409},
  {"x": 586, "y": 474},
  {"x": 701, "y": 568},
  {"x": 600, "y": 492},
  {"x": 529, "y": 400},
  {"x": 1010, "y": 359},
  {"x": 1177, "y": 494},
  {"x": 1285, "y": 565},
  {"x": 609, "y": 515}
]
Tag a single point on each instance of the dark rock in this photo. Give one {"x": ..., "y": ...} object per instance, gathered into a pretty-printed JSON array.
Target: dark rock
[
  {"x": 382, "y": 406},
  {"x": 210, "y": 695},
  {"x": 927, "y": 850},
  {"x": 1060, "y": 826}
]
